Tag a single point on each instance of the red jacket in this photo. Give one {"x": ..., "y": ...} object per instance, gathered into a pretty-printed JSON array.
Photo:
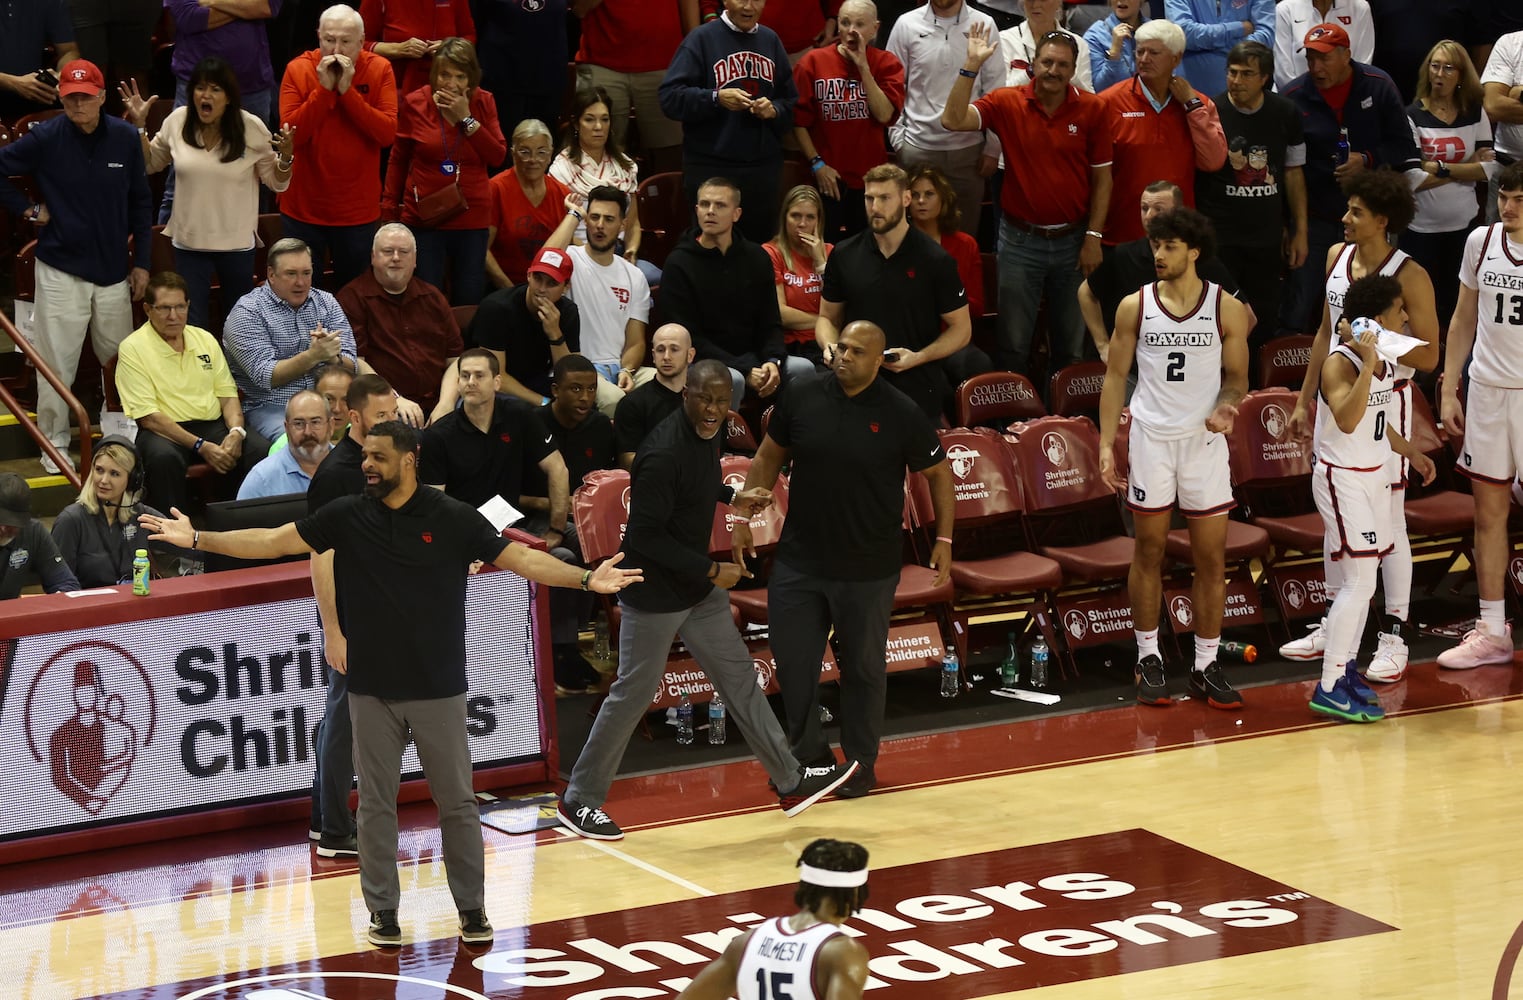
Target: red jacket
[
  {"x": 339, "y": 138},
  {"x": 414, "y": 169},
  {"x": 631, "y": 36},
  {"x": 430, "y": 20}
]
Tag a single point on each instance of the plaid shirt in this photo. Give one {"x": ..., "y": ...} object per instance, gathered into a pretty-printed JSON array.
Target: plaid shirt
[{"x": 263, "y": 329}]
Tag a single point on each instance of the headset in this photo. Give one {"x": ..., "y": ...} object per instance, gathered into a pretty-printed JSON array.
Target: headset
[{"x": 138, "y": 473}]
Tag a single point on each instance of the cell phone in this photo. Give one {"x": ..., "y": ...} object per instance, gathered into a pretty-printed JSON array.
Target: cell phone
[
  {"x": 890, "y": 353},
  {"x": 47, "y": 76}
]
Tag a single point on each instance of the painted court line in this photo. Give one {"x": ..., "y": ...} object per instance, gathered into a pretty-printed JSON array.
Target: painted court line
[{"x": 614, "y": 852}]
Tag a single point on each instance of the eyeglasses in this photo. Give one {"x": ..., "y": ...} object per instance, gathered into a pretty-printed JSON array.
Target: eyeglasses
[
  {"x": 532, "y": 154},
  {"x": 1439, "y": 67},
  {"x": 316, "y": 424},
  {"x": 396, "y": 251},
  {"x": 170, "y": 310}
]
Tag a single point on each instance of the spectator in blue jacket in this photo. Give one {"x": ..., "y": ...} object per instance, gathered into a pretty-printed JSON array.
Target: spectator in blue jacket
[
  {"x": 1112, "y": 50},
  {"x": 89, "y": 171},
  {"x": 1212, "y": 28}
]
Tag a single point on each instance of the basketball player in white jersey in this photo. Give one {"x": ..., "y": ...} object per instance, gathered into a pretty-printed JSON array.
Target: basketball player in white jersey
[
  {"x": 1380, "y": 204},
  {"x": 806, "y": 956},
  {"x": 1356, "y": 437},
  {"x": 1190, "y": 342},
  {"x": 1489, "y": 316}
]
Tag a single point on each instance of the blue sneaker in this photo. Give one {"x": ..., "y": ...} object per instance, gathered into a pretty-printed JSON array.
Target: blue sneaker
[
  {"x": 1343, "y": 703},
  {"x": 1359, "y": 685}
]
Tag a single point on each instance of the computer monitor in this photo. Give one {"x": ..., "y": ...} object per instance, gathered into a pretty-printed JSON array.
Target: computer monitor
[{"x": 260, "y": 512}]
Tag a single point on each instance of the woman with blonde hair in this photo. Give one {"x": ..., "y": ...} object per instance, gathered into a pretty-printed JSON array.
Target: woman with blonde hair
[
  {"x": 98, "y": 534},
  {"x": 1451, "y": 128},
  {"x": 799, "y": 254}
]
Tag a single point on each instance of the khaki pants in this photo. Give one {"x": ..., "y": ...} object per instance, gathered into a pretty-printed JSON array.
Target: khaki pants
[{"x": 68, "y": 307}]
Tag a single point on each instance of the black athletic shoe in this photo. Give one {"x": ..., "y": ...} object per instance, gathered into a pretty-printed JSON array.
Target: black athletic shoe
[
  {"x": 860, "y": 784},
  {"x": 1211, "y": 686},
  {"x": 574, "y": 675},
  {"x": 1152, "y": 685},
  {"x": 814, "y": 784},
  {"x": 475, "y": 928},
  {"x": 337, "y": 847},
  {"x": 384, "y": 931},
  {"x": 587, "y": 821}
]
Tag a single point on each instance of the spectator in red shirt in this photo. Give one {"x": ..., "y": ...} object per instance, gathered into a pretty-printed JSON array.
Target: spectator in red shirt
[
  {"x": 799, "y": 253},
  {"x": 527, "y": 205},
  {"x": 447, "y": 136},
  {"x": 408, "y": 32},
  {"x": 848, "y": 95},
  {"x": 342, "y": 102},
  {"x": 934, "y": 211},
  {"x": 626, "y": 47}
]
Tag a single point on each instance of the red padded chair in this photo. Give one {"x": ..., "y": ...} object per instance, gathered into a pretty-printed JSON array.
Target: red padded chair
[
  {"x": 1283, "y": 361},
  {"x": 1075, "y": 389},
  {"x": 749, "y": 598},
  {"x": 994, "y": 399},
  {"x": 664, "y": 214},
  {"x": 738, "y": 439}
]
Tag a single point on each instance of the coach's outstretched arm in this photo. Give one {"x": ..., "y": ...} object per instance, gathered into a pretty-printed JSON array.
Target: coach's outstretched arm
[{"x": 247, "y": 543}]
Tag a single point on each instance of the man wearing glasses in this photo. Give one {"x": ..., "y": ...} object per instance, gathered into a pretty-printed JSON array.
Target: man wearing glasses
[
  {"x": 289, "y": 469},
  {"x": 174, "y": 381}
]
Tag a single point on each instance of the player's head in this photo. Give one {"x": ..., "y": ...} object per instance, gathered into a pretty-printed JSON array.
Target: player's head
[
  {"x": 1510, "y": 197},
  {"x": 1179, "y": 239},
  {"x": 1376, "y": 297},
  {"x": 1378, "y": 201},
  {"x": 832, "y": 878}
]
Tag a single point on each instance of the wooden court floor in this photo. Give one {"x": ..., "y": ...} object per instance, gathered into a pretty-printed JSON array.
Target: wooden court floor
[{"x": 1134, "y": 853}]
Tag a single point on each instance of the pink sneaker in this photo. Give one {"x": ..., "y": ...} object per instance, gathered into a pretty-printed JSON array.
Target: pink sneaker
[{"x": 1478, "y": 649}]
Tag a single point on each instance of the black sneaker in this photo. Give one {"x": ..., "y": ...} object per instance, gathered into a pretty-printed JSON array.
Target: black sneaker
[
  {"x": 1211, "y": 686},
  {"x": 860, "y": 784},
  {"x": 574, "y": 675},
  {"x": 337, "y": 847},
  {"x": 475, "y": 928},
  {"x": 384, "y": 931},
  {"x": 814, "y": 784},
  {"x": 587, "y": 821},
  {"x": 1152, "y": 685}
]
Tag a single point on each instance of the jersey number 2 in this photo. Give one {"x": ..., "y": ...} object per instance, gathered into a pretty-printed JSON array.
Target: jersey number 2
[
  {"x": 1516, "y": 317},
  {"x": 1176, "y": 370},
  {"x": 782, "y": 985}
]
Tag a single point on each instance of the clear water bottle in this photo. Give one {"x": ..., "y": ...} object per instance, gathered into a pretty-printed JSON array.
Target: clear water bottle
[
  {"x": 600, "y": 648},
  {"x": 951, "y": 675},
  {"x": 1040, "y": 655},
  {"x": 685, "y": 722},
  {"x": 140, "y": 573},
  {"x": 1341, "y": 156},
  {"x": 1010, "y": 667},
  {"x": 716, "y": 720}
]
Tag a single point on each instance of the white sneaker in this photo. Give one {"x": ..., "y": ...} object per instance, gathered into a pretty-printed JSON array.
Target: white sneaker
[
  {"x": 1479, "y": 648},
  {"x": 51, "y": 467},
  {"x": 1309, "y": 647},
  {"x": 1389, "y": 664}
]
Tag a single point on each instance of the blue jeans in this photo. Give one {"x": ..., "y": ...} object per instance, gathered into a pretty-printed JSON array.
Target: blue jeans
[
  {"x": 258, "y": 104},
  {"x": 1029, "y": 268},
  {"x": 233, "y": 268},
  {"x": 460, "y": 252}
]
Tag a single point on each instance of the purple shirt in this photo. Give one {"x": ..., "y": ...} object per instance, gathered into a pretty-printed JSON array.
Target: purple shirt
[{"x": 244, "y": 44}]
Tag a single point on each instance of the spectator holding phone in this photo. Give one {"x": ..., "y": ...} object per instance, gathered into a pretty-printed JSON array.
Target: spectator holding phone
[{"x": 27, "y": 86}]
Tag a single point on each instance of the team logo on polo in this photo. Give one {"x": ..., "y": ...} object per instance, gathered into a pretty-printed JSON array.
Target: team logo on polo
[
  {"x": 1274, "y": 420},
  {"x": 1076, "y": 623},
  {"x": 962, "y": 459},
  {"x": 1182, "y": 611},
  {"x": 1055, "y": 447}
]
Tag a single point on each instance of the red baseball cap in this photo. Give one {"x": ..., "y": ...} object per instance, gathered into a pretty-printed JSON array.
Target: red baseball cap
[
  {"x": 81, "y": 77},
  {"x": 1326, "y": 37},
  {"x": 554, "y": 263}
]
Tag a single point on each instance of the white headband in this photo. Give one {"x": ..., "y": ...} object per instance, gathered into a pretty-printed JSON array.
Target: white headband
[{"x": 831, "y": 879}]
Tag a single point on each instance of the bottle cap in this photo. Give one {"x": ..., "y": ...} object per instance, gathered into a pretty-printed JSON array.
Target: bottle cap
[{"x": 141, "y": 553}]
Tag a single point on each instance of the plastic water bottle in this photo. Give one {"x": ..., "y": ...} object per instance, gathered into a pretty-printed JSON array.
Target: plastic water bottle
[
  {"x": 140, "y": 573},
  {"x": 685, "y": 722},
  {"x": 716, "y": 720},
  {"x": 1341, "y": 156},
  {"x": 1010, "y": 668},
  {"x": 951, "y": 675},
  {"x": 1040, "y": 655},
  {"x": 600, "y": 648},
  {"x": 1243, "y": 652}
]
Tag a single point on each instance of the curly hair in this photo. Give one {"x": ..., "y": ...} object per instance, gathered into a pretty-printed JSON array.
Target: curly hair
[
  {"x": 1186, "y": 225},
  {"x": 1369, "y": 296},
  {"x": 1385, "y": 193}
]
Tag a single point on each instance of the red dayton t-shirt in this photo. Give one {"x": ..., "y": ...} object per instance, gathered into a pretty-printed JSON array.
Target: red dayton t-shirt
[
  {"x": 1048, "y": 159},
  {"x": 833, "y": 107},
  {"x": 522, "y": 226}
]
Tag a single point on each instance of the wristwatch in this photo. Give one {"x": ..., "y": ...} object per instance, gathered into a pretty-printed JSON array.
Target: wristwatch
[{"x": 1442, "y": 169}]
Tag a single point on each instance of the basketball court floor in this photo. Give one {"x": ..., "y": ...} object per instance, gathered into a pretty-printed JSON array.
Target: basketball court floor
[{"x": 1134, "y": 853}]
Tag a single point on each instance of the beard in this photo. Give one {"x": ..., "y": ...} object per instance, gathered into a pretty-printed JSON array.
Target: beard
[
  {"x": 884, "y": 225},
  {"x": 382, "y": 488}
]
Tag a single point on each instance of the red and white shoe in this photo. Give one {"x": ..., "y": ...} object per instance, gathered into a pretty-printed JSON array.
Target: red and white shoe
[
  {"x": 1389, "y": 664},
  {"x": 1479, "y": 648}
]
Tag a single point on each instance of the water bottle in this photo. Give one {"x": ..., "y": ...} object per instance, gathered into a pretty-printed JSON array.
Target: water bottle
[
  {"x": 140, "y": 573},
  {"x": 1010, "y": 669},
  {"x": 1039, "y": 657},
  {"x": 716, "y": 720},
  {"x": 951, "y": 679},
  {"x": 1341, "y": 156},
  {"x": 1243, "y": 652},
  {"x": 600, "y": 648},
  {"x": 685, "y": 722}
]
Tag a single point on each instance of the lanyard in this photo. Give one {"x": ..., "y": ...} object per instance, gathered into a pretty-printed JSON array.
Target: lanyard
[{"x": 449, "y": 160}]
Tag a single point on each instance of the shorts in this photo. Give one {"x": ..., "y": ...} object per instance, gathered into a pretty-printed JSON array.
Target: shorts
[
  {"x": 1493, "y": 449},
  {"x": 1189, "y": 472},
  {"x": 1356, "y": 510}
]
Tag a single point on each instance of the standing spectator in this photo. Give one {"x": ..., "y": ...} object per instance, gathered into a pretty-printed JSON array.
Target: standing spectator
[
  {"x": 404, "y": 329},
  {"x": 89, "y": 170},
  {"x": 902, "y": 282},
  {"x": 1502, "y": 84},
  {"x": 116, "y": 35},
  {"x": 799, "y": 254},
  {"x": 436, "y": 181},
  {"x": 1053, "y": 206},
  {"x": 849, "y": 92},
  {"x": 1454, "y": 135},
  {"x": 1211, "y": 30},
  {"x": 1405, "y": 29},
  {"x": 25, "y": 545},
  {"x": 410, "y": 32},
  {"x": 1336, "y": 95},
  {"x": 1257, "y": 200},
  {"x": 1113, "y": 45},
  {"x": 404, "y": 552},
  {"x": 801, "y": 25},
  {"x": 528, "y": 327},
  {"x": 280, "y": 334},
  {"x": 97, "y": 534},
  {"x": 222, "y": 154},
  {"x": 625, "y": 50},
  {"x": 1018, "y": 45},
  {"x": 731, "y": 87},
  {"x": 933, "y": 211},
  {"x": 30, "y": 26},
  {"x": 527, "y": 205},
  {"x": 290, "y": 469},
  {"x": 524, "y": 53},
  {"x": 671, "y": 349},
  {"x": 1294, "y": 18},
  {"x": 174, "y": 381},
  {"x": 851, "y": 438},
  {"x": 932, "y": 45},
  {"x": 341, "y": 102}
]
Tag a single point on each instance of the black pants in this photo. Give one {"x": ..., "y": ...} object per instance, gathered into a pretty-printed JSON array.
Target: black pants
[
  {"x": 349, "y": 246},
  {"x": 1258, "y": 273},
  {"x": 165, "y": 463},
  {"x": 1305, "y": 294},
  {"x": 758, "y": 189},
  {"x": 1439, "y": 254}
]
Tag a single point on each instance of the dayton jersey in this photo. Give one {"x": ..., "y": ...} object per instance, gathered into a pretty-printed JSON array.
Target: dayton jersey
[
  {"x": 779, "y": 963},
  {"x": 1342, "y": 275},
  {"x": 1179, "y": 363},
  {"x": 1493, "y": 265},
  {"x": 1367, "y": 449}
]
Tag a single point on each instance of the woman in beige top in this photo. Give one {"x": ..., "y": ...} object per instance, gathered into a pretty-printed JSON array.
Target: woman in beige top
[{"x": 220, "y": 153}]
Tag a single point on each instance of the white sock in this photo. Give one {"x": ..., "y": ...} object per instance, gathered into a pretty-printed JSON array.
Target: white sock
[
  {"x": 1396, "y": 567},
  {"x": 1147, "y": 643},
  {"x": 1493, "y": 617},
  {"x": 1205, "y": 652}
]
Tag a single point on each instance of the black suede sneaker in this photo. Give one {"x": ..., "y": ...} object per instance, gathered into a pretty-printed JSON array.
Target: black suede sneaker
[
  {"x": 1152, "y": 685},
  {"x": 861, "y": 783},
  {"x": 337, "y": 847},
  {"x": 587, "y": 821},
  {"x": 475, "y": 928},
  {"x": 814, "y": 784},
  {"x": 1211, "y": 686},
  {"x": 384, "y": 931}
]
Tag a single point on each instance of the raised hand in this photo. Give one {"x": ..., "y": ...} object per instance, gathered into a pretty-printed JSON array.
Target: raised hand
[
  {"x": 134, "y": 103},
  {"x": 982, "y": 43}
]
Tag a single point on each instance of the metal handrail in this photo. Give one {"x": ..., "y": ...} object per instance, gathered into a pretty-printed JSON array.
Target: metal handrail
[{"x": 30, "y": 426}]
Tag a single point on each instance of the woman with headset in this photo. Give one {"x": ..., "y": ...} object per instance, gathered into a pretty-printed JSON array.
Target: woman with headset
[{"x": 98, "y": 534}]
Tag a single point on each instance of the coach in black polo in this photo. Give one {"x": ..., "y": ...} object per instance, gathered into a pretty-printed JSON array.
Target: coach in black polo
[
  {"x": 401, "y": 556},
  {"x": 900, "y": 280},
  {"x": 850, "y": 436}
]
